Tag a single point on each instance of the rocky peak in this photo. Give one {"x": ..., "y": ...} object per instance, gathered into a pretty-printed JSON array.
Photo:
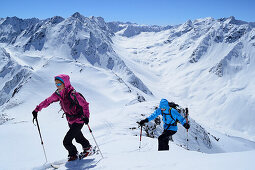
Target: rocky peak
[
  {"x": 77, "y": 15},
  {"x": 56, "y": 19}
]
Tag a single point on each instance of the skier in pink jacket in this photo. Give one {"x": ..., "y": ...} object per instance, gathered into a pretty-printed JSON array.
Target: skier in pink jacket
[{"x": 76, "y": 109}]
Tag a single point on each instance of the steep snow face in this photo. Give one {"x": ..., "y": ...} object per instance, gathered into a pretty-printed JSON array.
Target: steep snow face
[
  {"x": 80, "y": 38},
  {"x": 12, "y": 27},
  {"x": 233, "y": 62},
  {"x": 12, "y": 76},
  {"x": 206, "y": 64}
]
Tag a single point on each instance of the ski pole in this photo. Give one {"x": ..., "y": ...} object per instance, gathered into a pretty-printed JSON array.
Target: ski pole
[
  {"x": 188, "y": 139},
  {"x": 186, "y": 117},
  {"x": 140, "y": 137},
  {"x": 95, "y": 140},
  {"x": 41, "y": 139}
]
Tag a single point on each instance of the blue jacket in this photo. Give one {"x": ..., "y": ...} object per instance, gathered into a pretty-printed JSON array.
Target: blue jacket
[{"x": 166, "y": 117}]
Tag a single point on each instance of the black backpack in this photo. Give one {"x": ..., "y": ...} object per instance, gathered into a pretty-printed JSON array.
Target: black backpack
[
  {"x": 173, "y": 105},
  {"x": 74, "y": 102}
]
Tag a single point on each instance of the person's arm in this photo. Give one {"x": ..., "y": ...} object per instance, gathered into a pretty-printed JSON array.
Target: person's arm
[
  {"x": 151, "y": 117},
  {"x": 47, "y": 102},
  {"x": 178, "y": 116},
  {"x": 181, "y": 119},
  {"x": 155, "y": 114}
]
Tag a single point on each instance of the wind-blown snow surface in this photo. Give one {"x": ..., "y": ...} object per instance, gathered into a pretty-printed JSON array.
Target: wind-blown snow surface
[{"x": 177, "y": 64}]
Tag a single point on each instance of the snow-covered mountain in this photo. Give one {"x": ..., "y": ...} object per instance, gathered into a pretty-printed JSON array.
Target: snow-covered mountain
[
  {"x": 131, "y": 29},
  {"x": 12, "y": 75},
  {"x": 77, "y": 37},
  {"x": 123, "y": 70}
]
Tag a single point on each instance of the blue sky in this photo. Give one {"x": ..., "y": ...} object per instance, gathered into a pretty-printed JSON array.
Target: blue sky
[{"x": 158, "y": 12}]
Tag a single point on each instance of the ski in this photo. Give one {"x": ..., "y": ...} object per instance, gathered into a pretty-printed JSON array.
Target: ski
[
  {"x": 92, "y": 151},
  {"x": 55, "y": 166}
]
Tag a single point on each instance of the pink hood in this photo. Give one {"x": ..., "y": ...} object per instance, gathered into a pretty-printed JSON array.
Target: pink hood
[{"x": 64, "y": 78}]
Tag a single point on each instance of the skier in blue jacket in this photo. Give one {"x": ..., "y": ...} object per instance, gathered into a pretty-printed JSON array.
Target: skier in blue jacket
[{"x": 170, "y": 117}]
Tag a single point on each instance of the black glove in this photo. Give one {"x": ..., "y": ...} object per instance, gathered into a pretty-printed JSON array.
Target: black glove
[
  {"x": 187, "y": 110},
  {"x": 85, "y": 120},
  {"x": 141, "y": 123},
  {"x": 186, "y": 125},
  {"x": 34, "y": 114}
]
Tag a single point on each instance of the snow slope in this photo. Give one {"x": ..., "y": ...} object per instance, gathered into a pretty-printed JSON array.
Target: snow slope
[
  {"x": 103, "y": 93},
  {"x": 111, "y": 120}
]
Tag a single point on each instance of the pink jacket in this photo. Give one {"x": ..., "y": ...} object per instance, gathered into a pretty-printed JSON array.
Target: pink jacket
[{"x": 65, "y": 102}]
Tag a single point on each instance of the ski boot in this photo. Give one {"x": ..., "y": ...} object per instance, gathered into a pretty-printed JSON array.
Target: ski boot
[
  {"x": 87, "y": 152},
  {"x": 72, "y": 158}
]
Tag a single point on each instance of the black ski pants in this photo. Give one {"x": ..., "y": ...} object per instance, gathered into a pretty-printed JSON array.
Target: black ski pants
[
  {"x": 75, "y": 133},
  {"x": 163, "y": 140}
]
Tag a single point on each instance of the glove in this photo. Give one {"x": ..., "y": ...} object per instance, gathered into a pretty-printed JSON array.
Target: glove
[
  {"x": 34, "y": 114},
  {"x": 186, "y": 112},
  {"x": 186, "y": 125},
  {"x": 141, "y": 123},
  {"x": 85, "y": 120}
]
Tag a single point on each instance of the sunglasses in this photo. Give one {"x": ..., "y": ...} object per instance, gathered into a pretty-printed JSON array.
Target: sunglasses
[{"x": 58, "y": 84}]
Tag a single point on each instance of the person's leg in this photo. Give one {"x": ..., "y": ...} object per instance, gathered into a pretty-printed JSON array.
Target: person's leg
[
  {"x": 163, "y": 140},
  {"x": 82, "y": 140},
  {"x": 74, "y": 130}
]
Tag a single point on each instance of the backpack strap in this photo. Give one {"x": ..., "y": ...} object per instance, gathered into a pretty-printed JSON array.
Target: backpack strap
[
  {"x": 57, "y": 93},
  {"x": 74, "y": 102},
  {"x": 169, "y": 113}
]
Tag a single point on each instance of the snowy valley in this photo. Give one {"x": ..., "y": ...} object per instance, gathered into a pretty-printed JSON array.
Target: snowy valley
[{"x": 123, "y": 70}]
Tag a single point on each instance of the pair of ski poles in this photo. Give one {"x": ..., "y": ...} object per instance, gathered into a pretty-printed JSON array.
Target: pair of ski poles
[{"x": 43, "y": 145}]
